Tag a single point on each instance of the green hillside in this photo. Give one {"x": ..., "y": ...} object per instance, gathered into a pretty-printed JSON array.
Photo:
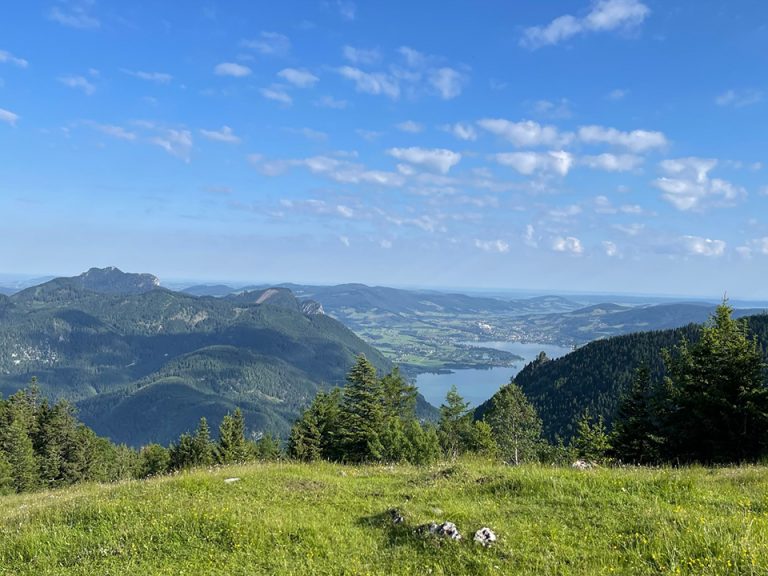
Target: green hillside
[
  {"x": 595, "y": 376},
  {"x": 334, "y": 520},
  {"x": 146, "y": 363}
]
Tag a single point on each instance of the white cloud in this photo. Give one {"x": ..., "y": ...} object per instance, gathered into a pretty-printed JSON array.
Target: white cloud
[
  {"x": 568, "y": 244},
  {"x": 525, "y": 133},
  {"x": 617, "y": 94},
  {"x": 232, "y": 69},
  {"x": 159, "y": 77},
  {"x": 499, "y": 246},
  {"x": 372, "y": 83},
  {"x": 309, "y": 133},
  {"x": 385, "y": 243},
  {"x": 414, "y": 58},
  {"x": 269, "y": 44},
  {"x": 549, "y": 109},
  {"x": 610, "y": 248},
  {"x": 344, "y": 240},
  {"x": 688, "y": 186},
  {"x": 410, "y": 126},
  {"x": 360, "y": 55},
  {"x": 347, "y": 10},
  {"x": 528, "y": 163},
  {"x": 115, "y": 131},
  {"x": 636, "y": 140},
  {"x": 613, "y": 162},
  {"x": 605, "y": 15},
  {"x": 447, "y": 81},
  {"x": 224, "y": 135},
  {"x": 7, "y": 57},
  {"x": 338, "y": 170},
  {"x": 79, "y": 83},
  {"x": 629, "y": 229},
  {"x": 438, "y": 159},
  {"x": 698, "y": 246},
  {"x": 331, "y": 102},
  {"x": 461, "y": 131},
  {"x": 176, "y": 142},
  {"x": 529, "y": 238},
  {"x": 278, "y": 94},
  {"x": 8, "y": 117},
  {"x": 763, "y": 191},
  {"x": 74, "y": 15},
  {"x": 740, "y": 98},
  {"x": 298, "y": 77}
]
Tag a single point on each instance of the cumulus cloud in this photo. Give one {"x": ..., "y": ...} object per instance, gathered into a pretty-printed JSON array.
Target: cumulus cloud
[
  {"x": 637, "y": 140},
  {"x": 610, "y": 248},
  {"x": 8, "y": 117},
  {"x": 278, "y": 94},
  {"x": 158, "y": 77},
  {"x": 605, "y": 15},
  {"x": 526, "y": 133},
  {"x": 176, "y": 142},
  {"x": 347, "y": 10},
  {"x": 78, "y": 83},
  {"x": 567, "y": 244},
  {"x": 361, "y": 55},
  {"x": 698, "y": 246},
  {"x": 372, "y": 83},
  {"x": 269, "y": 44},
  {"x": 115, "y": 131},
  {"x": 447, "y": 81},
  {"x": 461, "y": 131},
  {"x": 499, "y": 246},
  {"x": 298, "y": 77},
  {"x": 527, "y": 163},
  {"x": 225, "y": 134},
  {"x": 336, "y": 169},
  {"x": 739, "y": 98},
  {"x": 410, "y": 126},
  {"x": 438, "y": 159},
  {"x": 232, "y": 69},
  {"x": 7, "y": 57},
  {"x": 687, "y": 185},
  {"x": 617, "y": 94},
  {"x": 331, "y": 102},
  {"x": 613, "y": 162},
  {"x": 74, "y": 15},
  {"x": 529, "y": 237}
]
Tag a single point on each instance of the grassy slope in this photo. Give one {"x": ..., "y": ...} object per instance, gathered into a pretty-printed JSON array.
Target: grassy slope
[{"x": 329, "y": 519}]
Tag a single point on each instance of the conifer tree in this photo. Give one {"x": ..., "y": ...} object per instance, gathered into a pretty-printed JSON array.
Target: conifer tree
[
  {"x": 362, "y": 413},
  {"x": 21, "y": 456},
  {"x": 636, "y": 437},
  {"x": 203, "y": 447},
  {"x": 718, "y": 394},
  {"x": 591, "y": 441},
  {"x": 455, "y": 424},
  {"x": 232, "y": 446}
]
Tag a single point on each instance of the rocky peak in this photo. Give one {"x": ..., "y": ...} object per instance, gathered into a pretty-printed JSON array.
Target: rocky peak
[{"x": 112, "y": 280}]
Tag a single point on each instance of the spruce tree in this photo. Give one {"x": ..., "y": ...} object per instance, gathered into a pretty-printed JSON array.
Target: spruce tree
[
  {"x": 636, "y": 436},
  {"x": 591, "y": 441},
  {"x": 232, "y": 446},
  {"x": 362, "y": 413},
  {"x": 718, "y": 395},
  {"x": 455, "y": 424},
  {"x": 21, "y": 457}
]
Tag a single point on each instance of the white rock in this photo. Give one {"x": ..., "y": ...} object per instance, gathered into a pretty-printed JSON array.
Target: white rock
[
  {"x": 449, "y": 530},
  {"x": 231, "y": 480},
  {"x": 582, "y": 465},
  {"x": 485, "y": 536}
]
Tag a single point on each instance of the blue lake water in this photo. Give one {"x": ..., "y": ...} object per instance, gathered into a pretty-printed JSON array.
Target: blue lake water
[{"x": 476, "y": 385}]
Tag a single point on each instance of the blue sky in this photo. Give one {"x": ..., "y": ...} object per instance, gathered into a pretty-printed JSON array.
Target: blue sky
[{"x": 609, "y": 145}]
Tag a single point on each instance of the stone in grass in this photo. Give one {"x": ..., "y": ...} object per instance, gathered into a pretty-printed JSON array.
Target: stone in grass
[
  {"x": 485, "y": 536},
  {"x": 444, "y": 530},
  {"x": 397, "y": 517},
  {"x": 231, "y": 480},
  {"x": 582, "y": 465}
]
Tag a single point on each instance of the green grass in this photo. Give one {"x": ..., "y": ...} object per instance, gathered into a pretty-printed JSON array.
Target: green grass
[{"x": 330, "y": 519}]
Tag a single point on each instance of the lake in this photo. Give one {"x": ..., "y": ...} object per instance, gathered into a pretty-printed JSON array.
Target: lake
[{"x": 477, "y": 385}]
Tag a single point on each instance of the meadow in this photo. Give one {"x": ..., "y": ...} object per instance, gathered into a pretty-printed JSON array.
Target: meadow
[{"x": 288, "y": 518}]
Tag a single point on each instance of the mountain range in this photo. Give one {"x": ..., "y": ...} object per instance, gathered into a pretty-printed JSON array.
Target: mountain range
[{"x": 143, "y": 364}]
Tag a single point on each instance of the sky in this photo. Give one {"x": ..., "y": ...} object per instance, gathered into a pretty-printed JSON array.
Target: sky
[{"x": 605, "y": 145}]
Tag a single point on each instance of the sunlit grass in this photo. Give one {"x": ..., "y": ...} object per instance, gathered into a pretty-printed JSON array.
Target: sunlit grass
[{"x": 329, "y": 519}]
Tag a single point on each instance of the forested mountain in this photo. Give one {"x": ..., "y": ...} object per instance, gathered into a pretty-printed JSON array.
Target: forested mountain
[
  {"x": 596, "y": 375},
  {"x": 144, "y": 363}
]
